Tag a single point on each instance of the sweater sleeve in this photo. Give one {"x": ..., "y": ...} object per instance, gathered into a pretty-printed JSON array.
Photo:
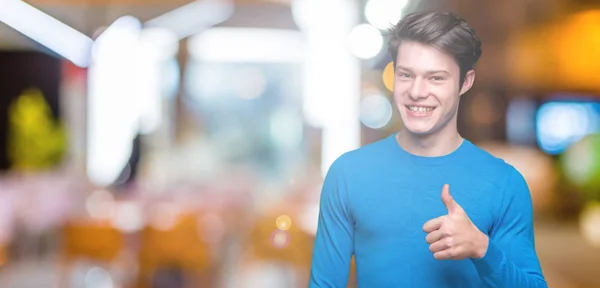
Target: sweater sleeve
[
  {"x": 511, "y": 259},
  {"x": 334, "y": 243}
]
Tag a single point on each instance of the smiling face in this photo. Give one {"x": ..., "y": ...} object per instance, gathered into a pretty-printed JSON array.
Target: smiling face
[{"x": 427, "y": 89}]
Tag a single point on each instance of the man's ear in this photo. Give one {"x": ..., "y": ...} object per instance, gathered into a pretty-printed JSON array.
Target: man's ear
[{"x": 468, "y": 83}]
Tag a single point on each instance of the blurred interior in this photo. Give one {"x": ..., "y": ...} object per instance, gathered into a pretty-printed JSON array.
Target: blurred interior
[{"x": 183, "y": 143}]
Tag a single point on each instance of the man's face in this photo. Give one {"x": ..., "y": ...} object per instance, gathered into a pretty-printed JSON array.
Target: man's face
[{"x": 426, "y": 87}]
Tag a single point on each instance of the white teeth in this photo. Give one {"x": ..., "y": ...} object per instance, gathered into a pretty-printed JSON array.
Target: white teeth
[{"x": 419, "y": 109}]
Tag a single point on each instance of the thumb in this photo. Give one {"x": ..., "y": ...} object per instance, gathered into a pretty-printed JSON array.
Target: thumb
[{"x": 447, "y": 199}]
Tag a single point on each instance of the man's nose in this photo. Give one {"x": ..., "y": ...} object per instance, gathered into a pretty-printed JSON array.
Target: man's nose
[{"x": 418, "y": 90}]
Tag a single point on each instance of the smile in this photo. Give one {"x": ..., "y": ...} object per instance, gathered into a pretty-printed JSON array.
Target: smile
[{"x": 420, "y": 109}]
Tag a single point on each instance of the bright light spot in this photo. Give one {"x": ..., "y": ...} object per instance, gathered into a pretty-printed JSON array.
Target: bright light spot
[
  {"x": 283, "y": 222},
  {"x": 365, "y": 41},
  {"x": 331, "y": 74},
  {"x": 128, "y": 217},
  {"x": 590, "y": 223},
  {"x": 98, "y": 278},
  {"x": 318, "y": 15},
  {"x": 280, "y": 239},
  {"x": 384, "y": 14},
  {"x": 113, "y": 118},
  {"x": 100, "y": 204},
  {"x": 250, "y": 83},
  {"x": 156, "y": 47},
  {"x": 388, "y": 76},
  {"x": 561, "y": 124},
  {"x": 307, "y": 15},
  {"x": 375, "y": 111},
  {"x": 121, "y": 34}
]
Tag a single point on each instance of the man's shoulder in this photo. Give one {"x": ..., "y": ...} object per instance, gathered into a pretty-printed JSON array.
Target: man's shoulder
[
  {"x": 365, "y": 156},
  {"x": 367, "y": 152},
  {"x": 485, "y": 162}
]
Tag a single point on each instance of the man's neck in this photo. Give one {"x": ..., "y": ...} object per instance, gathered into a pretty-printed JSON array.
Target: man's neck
[{"x": 434, "y": 145}]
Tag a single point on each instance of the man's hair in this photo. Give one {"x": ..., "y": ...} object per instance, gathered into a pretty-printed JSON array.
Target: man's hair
[{"x": 445, "y": 31}]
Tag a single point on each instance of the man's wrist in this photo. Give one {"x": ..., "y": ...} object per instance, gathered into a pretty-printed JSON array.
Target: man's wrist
[{"x": 481, "y": 246}]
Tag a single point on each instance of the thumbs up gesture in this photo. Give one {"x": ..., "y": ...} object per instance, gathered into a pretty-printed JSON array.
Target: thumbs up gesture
[{"x": 454, "y": 236}]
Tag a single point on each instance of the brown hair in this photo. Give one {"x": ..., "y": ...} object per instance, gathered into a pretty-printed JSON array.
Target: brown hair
[{"x": 446, "y": 31}]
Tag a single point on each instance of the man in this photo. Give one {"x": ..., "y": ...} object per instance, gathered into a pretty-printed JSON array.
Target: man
[{"x": 425, "y": 207}]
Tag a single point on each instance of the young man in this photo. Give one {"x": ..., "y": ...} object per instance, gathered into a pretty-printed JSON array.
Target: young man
[{"x": 425, "y": 207}]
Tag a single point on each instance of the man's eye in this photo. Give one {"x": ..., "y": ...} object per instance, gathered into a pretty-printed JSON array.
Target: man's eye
[
  {"x": 404, "y": 76},
  {"x": 437, "y": 78}
]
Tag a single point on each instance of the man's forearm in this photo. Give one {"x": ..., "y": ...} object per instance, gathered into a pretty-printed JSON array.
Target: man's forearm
[{"x": 497, "y": 271}]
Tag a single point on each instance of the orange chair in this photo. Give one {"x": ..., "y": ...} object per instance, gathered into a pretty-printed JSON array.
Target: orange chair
[
  {"x": 96, "y": 241},
  {"x": 291, "y": 245},
  {"x": 3, "y": 255},
  {"x": 178, "y": 246}
]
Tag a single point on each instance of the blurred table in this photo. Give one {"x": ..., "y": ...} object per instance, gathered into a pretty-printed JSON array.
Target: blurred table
[{"x": 566, "y": 259}]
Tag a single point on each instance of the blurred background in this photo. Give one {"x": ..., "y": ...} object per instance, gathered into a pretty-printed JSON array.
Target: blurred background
[{"x": 148, "y": 143}]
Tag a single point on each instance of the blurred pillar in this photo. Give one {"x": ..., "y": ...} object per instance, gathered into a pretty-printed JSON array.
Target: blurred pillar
[
  {"x": 332, "y": 74},
  {"x": 183, "y": 120}
]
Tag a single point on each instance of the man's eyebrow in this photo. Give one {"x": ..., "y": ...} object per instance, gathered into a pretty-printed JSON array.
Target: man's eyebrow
[
  {"x": 403, "y": 68},
  {"x": 430, "y": 72},
  {"x": 437, "y": 71}
]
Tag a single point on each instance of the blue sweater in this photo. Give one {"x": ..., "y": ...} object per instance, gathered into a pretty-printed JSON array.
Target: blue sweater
[{"x": 376, "y": 199}]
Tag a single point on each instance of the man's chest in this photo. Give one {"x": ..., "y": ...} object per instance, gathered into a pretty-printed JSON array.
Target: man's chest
[{"x": 398, "y": 210}]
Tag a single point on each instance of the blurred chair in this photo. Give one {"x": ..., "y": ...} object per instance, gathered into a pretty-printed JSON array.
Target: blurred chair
[
  {"x": 89, "y": 240},
  {"x": 3, "y": 254},
  {"x": 282, "y": 236},
  {"x": 288, "y": 247},
  {"x": 178, "y": 248}
]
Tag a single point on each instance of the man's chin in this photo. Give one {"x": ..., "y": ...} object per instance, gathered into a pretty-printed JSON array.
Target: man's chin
[{"x": 419, "y": 130}]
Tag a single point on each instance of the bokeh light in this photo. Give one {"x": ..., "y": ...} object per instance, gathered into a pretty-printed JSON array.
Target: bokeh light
[
  {"x": 98, "y": 278},
  {"x": 283, "y": 222},
  {"x": 560, "y": 124},
  {"x": 100, "y": 204},
  {"x": 365, "y": 41},
  {"x": 383, "y": 14},
  {"x": 581, "y": 164},
  {"x": 375, "y": 111},
  {"x": 164, "y": 216},
  {"x": 280, "y": 239},
  {"x": 388, "y": 76},
  {"x": 128, "y": 217}
]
